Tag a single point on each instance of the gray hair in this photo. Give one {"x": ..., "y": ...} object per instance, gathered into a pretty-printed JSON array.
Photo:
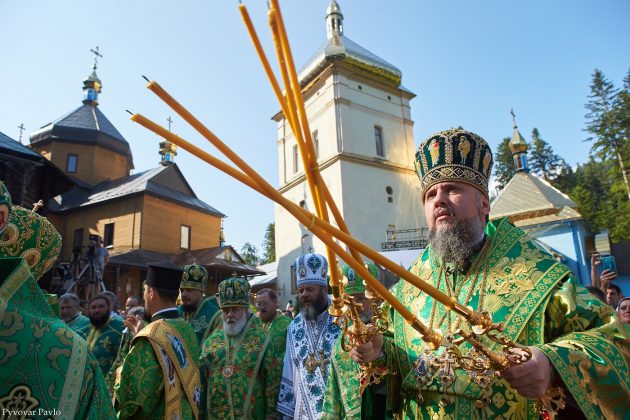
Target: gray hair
[{"x": 70, "y": 296}]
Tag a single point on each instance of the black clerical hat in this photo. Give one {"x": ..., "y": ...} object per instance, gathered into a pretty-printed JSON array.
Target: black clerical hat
[{"x": 164, "y": 275}]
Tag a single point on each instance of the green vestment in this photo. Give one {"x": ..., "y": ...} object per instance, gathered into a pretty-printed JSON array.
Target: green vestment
[
  {"x": 277, "y": 331},
  {"x": 46, "y": 369},
  {"x": 539, "y": 304},
  {"x": 204, "y": 319},
  {"x": 339, "y": 403},
  {"x": 241, "y": 375},
  {"x": 140, "y": 391},
  {"x": 79, "y": 322},
  {"x": 104, "y": 341}
]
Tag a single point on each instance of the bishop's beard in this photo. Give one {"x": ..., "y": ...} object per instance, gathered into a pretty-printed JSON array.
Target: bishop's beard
[
  {"x": 454, "y": 243},
  {"x": 235, "y": 328}
]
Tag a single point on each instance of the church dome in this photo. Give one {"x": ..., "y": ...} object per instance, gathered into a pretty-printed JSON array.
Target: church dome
[{"x": 339, "y": 47}]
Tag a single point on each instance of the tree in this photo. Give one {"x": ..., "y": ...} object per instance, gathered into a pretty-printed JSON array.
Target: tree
[
  {"x": 503, "y": 164},
  {"x": 605, "y": 121},
  {"x": 269, "y": 244},
  {"x": 543, "y": 162},
  {"x": 250, "y": 254}
]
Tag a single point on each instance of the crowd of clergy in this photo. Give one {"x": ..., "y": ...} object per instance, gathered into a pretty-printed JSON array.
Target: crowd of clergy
[{"x": 175, "y": 353}]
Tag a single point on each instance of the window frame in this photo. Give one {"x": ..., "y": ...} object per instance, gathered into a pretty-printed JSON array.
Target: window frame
[
  {"x": 379, "y": 140},
  {"x": 181, "y": 236},
  {"x": 108, "y": 237},
  {"x": 76, "y": 163}
]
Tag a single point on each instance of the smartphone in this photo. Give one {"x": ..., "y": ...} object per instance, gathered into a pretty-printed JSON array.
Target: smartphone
[{"x": 608, "y": 263}]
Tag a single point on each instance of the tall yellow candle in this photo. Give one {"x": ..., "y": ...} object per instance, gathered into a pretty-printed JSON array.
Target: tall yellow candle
[{"x": 299, "y": 213}]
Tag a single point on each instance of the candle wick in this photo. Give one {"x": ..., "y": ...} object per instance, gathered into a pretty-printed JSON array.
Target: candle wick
[
  {"x": 130, "y": 113},
  {"x": 145, "y": 78}
]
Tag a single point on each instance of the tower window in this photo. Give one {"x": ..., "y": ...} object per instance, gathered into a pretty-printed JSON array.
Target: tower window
[
  {"x": 72, "y": 161},
  {"x": 184, "y": 240},
  {"x": 378, "y": 139},
  {"x": 316, "y": 144},
  {"x": 108, "y": 237},
  {"x": 295, "y": 158},
  {"x": 389, "y": 190}
]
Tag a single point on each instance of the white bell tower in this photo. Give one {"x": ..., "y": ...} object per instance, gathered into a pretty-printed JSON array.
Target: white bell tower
[{"x": 359, "y": 115}]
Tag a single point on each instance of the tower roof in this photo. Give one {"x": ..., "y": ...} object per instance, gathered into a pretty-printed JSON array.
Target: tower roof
[
  {"x": 527, "y": 197},
  {"x": 339, "y": 47},
  {"x": 85, "y": 125}
]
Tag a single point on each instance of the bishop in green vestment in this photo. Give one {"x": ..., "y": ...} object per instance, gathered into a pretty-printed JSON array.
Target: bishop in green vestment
[
  {"x": 103, "y": 333},
  {"x": 46, "y": 369},
  {"x": 201, "y": 312},
  {"x": 159, "y": 378},
  {"x": 70, "y": 312},
  {"x": 577, "y": 343},
  {"x": 240, "y": 372}
]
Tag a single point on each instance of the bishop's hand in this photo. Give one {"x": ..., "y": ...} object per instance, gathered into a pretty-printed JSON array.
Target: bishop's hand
[
  {"x": 532, "y": 378},
  {"x": 369, "y": 351}
]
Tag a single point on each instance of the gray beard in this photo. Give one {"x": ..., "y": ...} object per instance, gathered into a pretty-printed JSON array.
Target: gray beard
[
  {"x": 234, "y": 329},
  {"x": 455, "y": 243}
]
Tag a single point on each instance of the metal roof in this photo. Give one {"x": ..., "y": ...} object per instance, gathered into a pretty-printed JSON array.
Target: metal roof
[
  {"x": 86, "y": 124},
  {"x": 527, "y": 195},
  {"x": 214, "y": 258},
  {"x": 341, "y": 47},
  {"x": 7, "y": 144},
  {"x": 143, "y": 182}
]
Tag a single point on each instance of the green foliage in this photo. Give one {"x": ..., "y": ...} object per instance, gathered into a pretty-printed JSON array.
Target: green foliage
[
  {"x": 269, "y": 244},
  {"x": 250, "y": 254},
  {"x": 503, "y": 164},
  {"x": 601, "y": 198},
  {"x": 607, "y": 122},
  {"x": 543, "y": 162}
]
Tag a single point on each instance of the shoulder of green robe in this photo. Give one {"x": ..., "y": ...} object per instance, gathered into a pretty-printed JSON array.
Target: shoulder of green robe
[{"x": 116, "y": 324}]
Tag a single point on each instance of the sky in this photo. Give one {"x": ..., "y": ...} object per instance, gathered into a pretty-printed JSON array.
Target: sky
[{"x": 468, "y": 62}]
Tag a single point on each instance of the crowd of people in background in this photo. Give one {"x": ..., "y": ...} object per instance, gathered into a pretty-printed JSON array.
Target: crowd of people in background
[{"x": 177, "y": 353}]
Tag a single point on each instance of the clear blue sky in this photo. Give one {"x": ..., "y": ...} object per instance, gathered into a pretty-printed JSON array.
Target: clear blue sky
[{"x": 469, "y": 62}]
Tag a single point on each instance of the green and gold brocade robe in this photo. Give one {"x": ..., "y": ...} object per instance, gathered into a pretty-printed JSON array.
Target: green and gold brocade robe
[
  {"x": 140, "y": 388},
  {"x": 240, "y": 375},
  {"x": 46, "y": 369},
  {"x": 540, "y": 304},
  {"x": 342, "y": 399},
  {"x": 204, "y": 320},
  {"x": 104, "y": 341}
]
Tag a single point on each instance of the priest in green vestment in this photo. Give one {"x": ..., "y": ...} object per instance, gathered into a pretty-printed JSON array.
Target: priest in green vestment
[
  {"x": 344, "y": 374},
  {"x": 46, "y": 369},
  {"x": 273, "y": 322},
  {"x": 70, "y": 312},
  {"x": 240, "y": 372},
  {"x": 103, "y": 333},
  {"x": 159, "y": 378},
  {"x": 201, "y": 312},
  {"x": 578, "y": 345}
]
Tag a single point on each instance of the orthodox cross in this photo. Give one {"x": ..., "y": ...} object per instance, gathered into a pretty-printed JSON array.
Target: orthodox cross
[
  {"x": 513, "y": 117},
  {"x": 96, "y": 56},
  {"x": 310, "y": 249},
  {"x": 37, "y": 205},
  {"x": 170, "y": 121},
  {"x": 22, "y": 128}
]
